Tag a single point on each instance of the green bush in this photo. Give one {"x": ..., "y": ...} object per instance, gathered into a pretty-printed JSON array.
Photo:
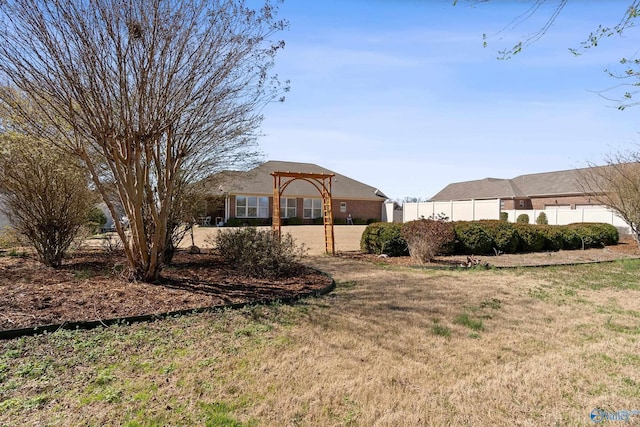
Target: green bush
[
  {"x": 384, "y": 238},
  {"x": 542, "y": 219},
  {"x": 553, "y": 238},
  {"x": 259, "y": 253},
  {"x": 96, "y": 219},
  {"x": 292, "y": 221},
  {"x": 523, "y": 219},
  {"x": 532, "y": 238},
  {"x": 570, "y": 238},
  {"x": 503, "y": 236},
  {"x": 234, "y": 222},
  {"x": 504, "y": 216},
  {"x": 427, "y": 238},
  {"x": 594, "y": 234},
  {"x": 471, "y": 238}
]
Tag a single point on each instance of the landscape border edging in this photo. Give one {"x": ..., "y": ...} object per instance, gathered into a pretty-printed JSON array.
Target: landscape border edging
[{"x": 8, "y": 334}]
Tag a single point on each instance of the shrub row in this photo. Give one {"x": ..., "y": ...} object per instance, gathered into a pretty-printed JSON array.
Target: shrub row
[
  {"x": 427, "y": 238},
  {"x": 256, "y": 222}
]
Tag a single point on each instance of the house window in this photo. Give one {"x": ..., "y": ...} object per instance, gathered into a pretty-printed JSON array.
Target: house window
[
  {"x": 312, "y": 208},
  {"x": 252, "y": 207},
  {"x": 288, "y": 208},
  {"x": 343, "y": 207}
]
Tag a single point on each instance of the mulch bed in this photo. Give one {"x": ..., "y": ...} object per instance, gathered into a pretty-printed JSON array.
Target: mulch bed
[{"x": 90, "y": 287}]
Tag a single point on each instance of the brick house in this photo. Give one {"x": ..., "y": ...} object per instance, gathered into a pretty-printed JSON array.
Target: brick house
[
  {"x": 247, "y": 197},
  {"x": 549, "y": 190}
]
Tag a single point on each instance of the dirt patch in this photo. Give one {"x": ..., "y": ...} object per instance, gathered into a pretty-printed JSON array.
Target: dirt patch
[{"x": 89, "y": 287}]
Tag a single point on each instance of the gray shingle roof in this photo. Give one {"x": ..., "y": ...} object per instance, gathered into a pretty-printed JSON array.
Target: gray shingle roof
[
  {"x": 532, "y": 185},
  {"x": 488, "y": 188},
  {"x": 258, "y": 181}
]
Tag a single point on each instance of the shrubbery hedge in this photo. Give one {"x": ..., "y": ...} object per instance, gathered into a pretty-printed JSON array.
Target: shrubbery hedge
[
  {"x": 471, "y": 238},
  {"x": 483, "y": 237},
  {"x": 384, "y": 238}
]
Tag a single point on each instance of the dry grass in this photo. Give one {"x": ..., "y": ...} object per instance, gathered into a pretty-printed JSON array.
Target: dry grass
[{"x": 392, "y": 346}]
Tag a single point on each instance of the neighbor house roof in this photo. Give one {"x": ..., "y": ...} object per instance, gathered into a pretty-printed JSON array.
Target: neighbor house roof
[
  {"x": 488, "y": 188},
  {"x": 259, "y": 181},
  {"x": 532, "y": 185}
]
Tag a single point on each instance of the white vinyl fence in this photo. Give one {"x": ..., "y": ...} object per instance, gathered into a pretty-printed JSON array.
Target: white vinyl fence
[
  {"x": 467, "y": 210},
  {"x": 470, "y": 210}
]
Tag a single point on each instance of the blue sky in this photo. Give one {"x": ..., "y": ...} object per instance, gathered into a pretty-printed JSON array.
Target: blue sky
[{"x": 402, "y": 95}]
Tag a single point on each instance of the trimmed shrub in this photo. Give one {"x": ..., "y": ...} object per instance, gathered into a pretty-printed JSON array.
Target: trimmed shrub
[
  {"x": 384, "y": 238},
  {"x": 504, "y": 237},
  {"x": 532, "y": 238},
  {"x": 292, "y": 221},
  {"x": 523, "y": 219},
  {"x": 504, "y": 216},
  {"x": 471, "y": 238},
  {"x": 259, "y": 253},
  {"x": 553, "y": 239},
  {"x": 595, "y": 234},
  {"x": 96, "y": 219},
  {"x": 542, "y": 219},
  {"x": 234, "y": 222},
  {"x": 570, "y": 238},
  {"x": 427, "y": 238}
]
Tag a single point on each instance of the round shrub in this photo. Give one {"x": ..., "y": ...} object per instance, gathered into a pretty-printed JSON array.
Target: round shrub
[
  {"x": 523, "y": 219},
  {"x": 427, "y": 238},
  {"x": 504, "y": 216},
  {"x": 259, "y": 253},
  {"x": 96, "y": 219},
  {"x": 542, "y": 219},
  {"x": 531, "y": 237},
  {"x": 504, "y": 237},
  {"x": 384, "y": 238},
  {"x": 471, "y": 238}
]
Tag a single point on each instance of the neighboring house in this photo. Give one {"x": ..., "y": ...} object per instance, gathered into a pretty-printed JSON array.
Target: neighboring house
[
  {"x": 558, "y": 195},
  {"x": 547, "y": 190},
  {"x": 248, "y": 196}
]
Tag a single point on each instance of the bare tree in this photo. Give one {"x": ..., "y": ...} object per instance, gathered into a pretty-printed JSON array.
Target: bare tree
[
  {"x": 616, "y": 185},
  {"x": 145, "y": 93}
]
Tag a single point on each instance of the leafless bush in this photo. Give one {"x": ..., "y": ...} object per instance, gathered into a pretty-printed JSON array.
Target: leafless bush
[
  {"x": 258, "y": 253},
  {"x": 427, "y": 238},
  {"x": 44, "y": 195}
]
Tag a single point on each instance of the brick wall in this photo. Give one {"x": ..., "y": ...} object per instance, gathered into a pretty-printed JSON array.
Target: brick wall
[
  {"x": 570, "y": 201},
  {"x": 541, "y": 202}
]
